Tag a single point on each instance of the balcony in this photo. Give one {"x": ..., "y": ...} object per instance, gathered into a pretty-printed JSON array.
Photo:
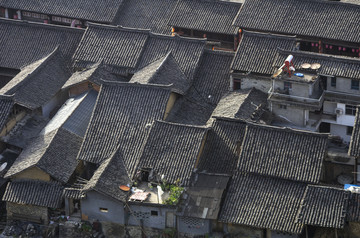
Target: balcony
[{"x": 307, "y": 103}]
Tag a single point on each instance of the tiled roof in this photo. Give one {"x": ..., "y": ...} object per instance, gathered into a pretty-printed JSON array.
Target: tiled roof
[
  {"x": 74, "y": 193},
  {"x": 311, "y": 18},
  {"x": 211, "y": 82},
  {"x": 74, "y": 115},
  {"x": 99, "y": 42},
  {"x": 256, "y": 52},
  {"x": 324, "y": 206},
  {"x": 187, "y": 52},
  {"x": 6, "y": 105},
  {"x": 93, "y": 10},
  {"x": 54, "y": 153},
  {"x": 354, "y": 147},
  {"x": 109, "y": 176},
  {"x": 121, "y": 117},
  {"x": 338, "y": 66},
  {"x": 283, "y": 152},
  {"x": 172, "y": 150},
  {"x": 243, "y": 104},
  {"x": 135, "y": 49},
  {"x": 146, "y": 14},
  {"x": 95, "y": 74},
  {"x": 34, "y": 192},
  {"x": 164, "y": 71},
  {"x": 204, "y": 196},
  {"x": 38, "y": 82},
  {"x": 222, "y": 146},
  {"x": 263, "y": 202},
  {"x": 205, "y": 15},
  {"x": 36, "y": 41},
  {"x": 353, "y": 213}
]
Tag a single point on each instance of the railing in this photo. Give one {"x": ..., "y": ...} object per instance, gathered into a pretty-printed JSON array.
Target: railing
[{"x": 279, "y": 97}]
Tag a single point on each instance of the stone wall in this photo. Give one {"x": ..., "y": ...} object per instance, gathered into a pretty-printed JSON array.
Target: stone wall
[{"x": 28, "y": 212}]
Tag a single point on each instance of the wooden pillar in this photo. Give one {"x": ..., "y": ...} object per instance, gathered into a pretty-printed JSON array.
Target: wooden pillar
[
  {"x": 336, "y": 234},
  {"x": 320, "y": 47}
]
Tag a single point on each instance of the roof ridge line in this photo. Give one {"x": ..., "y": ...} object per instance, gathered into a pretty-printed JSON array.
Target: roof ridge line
[
  {"x": 180, "y": 124},
  {"x": 286, "y": 129},
  {"x": 321, "y": 55},
  {"x": 32, "y": 24}
]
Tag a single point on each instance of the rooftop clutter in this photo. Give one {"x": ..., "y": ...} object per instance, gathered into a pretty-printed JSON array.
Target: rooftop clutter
[{"x": 153, "y": 130}]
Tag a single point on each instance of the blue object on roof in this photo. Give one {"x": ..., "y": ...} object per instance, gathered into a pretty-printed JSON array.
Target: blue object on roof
[
  {"x": 299, "y": 74},
  {"x": 346, "y": 186}
]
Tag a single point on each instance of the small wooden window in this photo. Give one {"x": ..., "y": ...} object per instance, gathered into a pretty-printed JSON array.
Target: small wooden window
[
  {"x": 154, "y": 213},
  {"x": 236, "y": 84},
  {"x": 333, "y": 82},
  {"x": 350, "y": 110},
  {"x": 355, "y": 84}
]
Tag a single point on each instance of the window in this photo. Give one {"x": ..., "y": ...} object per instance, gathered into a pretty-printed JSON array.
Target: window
[
  {"x": 333, "y": 82},
  {"x": 349, "y": 130},
  {"x": 237, "y": 84},
  {"x": 103, "y": 209},
  {"x": 287, "y": 86},
  {"x": 350, "y": 110},
  {"x": 283, "y": 106},
  {"x": 355, "y": 84},
  {"x": 154, "y": 213}
]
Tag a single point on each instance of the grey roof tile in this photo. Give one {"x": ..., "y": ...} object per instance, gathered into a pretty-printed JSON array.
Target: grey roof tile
[
  {"x": 95, "y": 74},
  {"x": 120, "y": 118},
  {"x": 242, "y": 104},
  {"x": 34, "y": 192},
  {"x": 311, "y": 18},
  {"x": 74, "y": 115},
  {"x": 54, "y": 153},
  {"x": 211, "y": 82},
  {"x": 354, "y": 147},
  {"x": 99, "y": 11},
  {"x": 146, "y": 14},
  {"x": 38, "y": 82},
  {"x": 283, "y": 152},
  {"x": 353, "y": 213},
  {"x": 324, "y": 206},
  {"x": 164, "y": 71},
  {"x": 205, "y": 196},
  {"x": 6, "y": 105},
  {"x": 222, "y": 146},
  {"x": 256, "y": 51},
  {"x": 338, "y": 66},
  {"x": 187, "y": 52},
  {"x": 172, "y": 150},
  {"x": 205, "y": 15},
  {"x": 111, "y": 174},
  {"x": 79, "y": 120},
  {"x": 99, "y": 42},
  {"x": 135, "y": 49},
  {"x": 36, "y": 41},
  {"x": 263, "y": 202}
]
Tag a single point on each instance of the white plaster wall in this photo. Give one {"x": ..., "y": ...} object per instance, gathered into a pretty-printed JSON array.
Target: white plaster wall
[
  {"x": 344, "y": 119},
  {"x": 342, "y": 85},
  {"x": 340, "y": 130}
]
